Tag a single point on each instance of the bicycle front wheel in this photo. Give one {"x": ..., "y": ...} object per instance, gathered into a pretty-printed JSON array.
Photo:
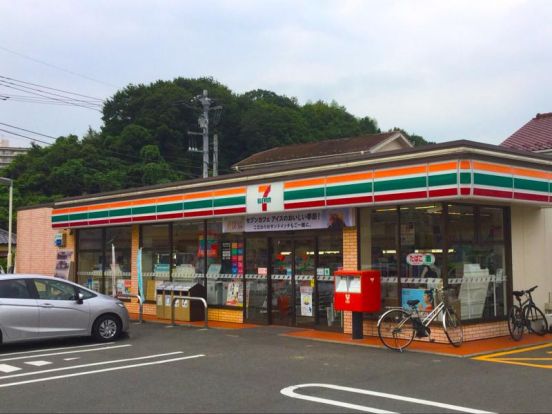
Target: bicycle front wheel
[
  {"x": 515, "y": 323},
  {"x": 396, "y": 329},
  {"x": 536, "y": 320},
  {"x": 453, "y": 327}
]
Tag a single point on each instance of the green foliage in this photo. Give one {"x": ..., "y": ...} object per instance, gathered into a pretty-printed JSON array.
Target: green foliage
[{"x": 144, "y": 139}]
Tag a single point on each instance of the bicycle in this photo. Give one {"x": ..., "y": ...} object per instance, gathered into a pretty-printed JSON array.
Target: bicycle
[
  {"x": 398, "y": 326},
  {"x": 526, "y": 315}
]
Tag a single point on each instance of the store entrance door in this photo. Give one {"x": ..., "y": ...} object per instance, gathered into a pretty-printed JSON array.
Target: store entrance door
[{"x": 292, "y": 292}]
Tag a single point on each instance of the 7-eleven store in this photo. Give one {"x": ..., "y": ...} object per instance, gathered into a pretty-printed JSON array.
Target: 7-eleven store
[{"x": 265, "y": 242}]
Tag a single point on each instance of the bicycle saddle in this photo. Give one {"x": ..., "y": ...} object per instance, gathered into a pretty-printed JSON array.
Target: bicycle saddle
[
  {"x": 413, "y": 302},
  {"x": 518, "y": 293}
]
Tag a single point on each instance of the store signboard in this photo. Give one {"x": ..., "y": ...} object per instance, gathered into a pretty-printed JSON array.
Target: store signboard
[
  {"x": 265, "y": 198},
  {"x": 420, "y": 259},
  {"x": 335, "y": 219}
]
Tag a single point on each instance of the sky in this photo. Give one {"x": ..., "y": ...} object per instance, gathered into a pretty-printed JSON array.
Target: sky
[{"x": 445, "y": 70}]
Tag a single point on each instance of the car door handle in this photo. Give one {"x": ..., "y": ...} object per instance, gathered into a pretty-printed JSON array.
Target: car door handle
[{"x": 46, "y": 305}]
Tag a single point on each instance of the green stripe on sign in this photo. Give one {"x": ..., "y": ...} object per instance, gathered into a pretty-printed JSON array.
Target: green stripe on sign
[
  {"x": 143, "y": 210},
  {"x": 98, "y": 214},
  {"x": 401, "y": 184},
  {"x": 349, "y": 189},
  {"x": 57, "y": 219},
  {"x": 524, "y": 184},
  {"x": 121, "y": 212},
  {"x": 192, "y": 205},
  {"x": 493, "y": 180},
  {"x": 170, "y": 207},
  {"x": 465, "y": 178},
  {"x": 78, "y": 216},
  {"x": 442, "y": 179},
  {"x": 301, "y": 194},
  {"x": 229, "y": 201}
]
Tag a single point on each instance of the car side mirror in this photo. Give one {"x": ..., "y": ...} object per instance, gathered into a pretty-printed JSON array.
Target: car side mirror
[{"x": 80, "y": 298}]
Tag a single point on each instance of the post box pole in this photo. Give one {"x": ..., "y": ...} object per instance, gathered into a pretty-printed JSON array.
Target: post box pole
[{"x": 357, "y": 325}]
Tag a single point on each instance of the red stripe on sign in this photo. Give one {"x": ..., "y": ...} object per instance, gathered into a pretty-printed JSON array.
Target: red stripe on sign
[
  {"x": 58, "y": 225},
  {"x": 530, "y": 197},
  {"x": 492, "y": 193},
  {"x": 235, "y": 210},
  {"x": 443, "y": 192},
  {"x": 169, "y": 216},
  {"x": 120, "y": 220},
  {"x": 95, "y": 222},
  {"x": 401, "y": 196},
  {"x": 198, "y": 213},
  {"x": 349, "y": 200},
  {"x": 304, "y": 204},
  {"x": 144, "y": 218},
  {"x": 465, "y": 191},
  {"x": 78, "y": 223}
]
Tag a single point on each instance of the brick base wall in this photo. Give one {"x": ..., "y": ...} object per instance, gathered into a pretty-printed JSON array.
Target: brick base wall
[{"x": 483, "y": 330}]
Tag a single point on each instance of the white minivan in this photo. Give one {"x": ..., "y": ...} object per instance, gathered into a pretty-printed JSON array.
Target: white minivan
[{"x": 41, "y": 307}]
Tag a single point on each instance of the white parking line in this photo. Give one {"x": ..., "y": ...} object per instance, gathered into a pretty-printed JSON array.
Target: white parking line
[
  {"x": 77, "y": 374},
  {"x": 8, "y": 368},
  {"x": 56, "y": 349},
  {"x": 71, "y": 359},
  {"x": 115, "y": 361},
  {"x": 38, "y": 363},
  {"x": 290, "y": 392},
  {"x": 66, "y": 352}
]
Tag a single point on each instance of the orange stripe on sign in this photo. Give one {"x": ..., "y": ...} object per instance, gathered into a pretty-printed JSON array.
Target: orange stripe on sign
[
  {"x": 445, "y": 166},
  {"x": 304, "y": 183},
  {"x": 503, "y": 169},
  {"x": 400, "y": 171},
  {"x": 119, "y": 204},
  {"x": 350, "y": 177},
  {"x": 465, "y": 165},
  {"x": 77, "y": 209},
  {"x": 178, "y": 197},
  {"x": 61, "y": 211},
  {"x": 192, "y": 196},
  {"x": 229, "y": 191},
  {"x": 143, "y": 201},
  {"x": 532, "y": 173},
  {"x": 99, "y": 207},
  {"x": 262, "y": 188}
]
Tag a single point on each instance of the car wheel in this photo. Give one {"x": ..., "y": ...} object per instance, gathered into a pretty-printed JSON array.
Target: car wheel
[{"x": 106, "y": 328}]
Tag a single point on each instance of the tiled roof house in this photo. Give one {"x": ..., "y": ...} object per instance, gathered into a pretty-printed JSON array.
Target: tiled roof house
[{"x": 534, "y": 136}]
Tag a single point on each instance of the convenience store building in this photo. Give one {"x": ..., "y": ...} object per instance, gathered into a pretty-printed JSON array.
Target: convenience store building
[{"x": 266, "y": 240}]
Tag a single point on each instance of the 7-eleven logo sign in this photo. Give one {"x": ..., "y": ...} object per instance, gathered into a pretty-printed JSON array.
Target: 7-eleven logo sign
[{"x": 264, "y": 199}]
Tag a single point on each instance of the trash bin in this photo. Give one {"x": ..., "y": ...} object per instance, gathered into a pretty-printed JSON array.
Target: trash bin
[
  {"x": 160, "y": 300},
  {"x": 192, "y": 310}
]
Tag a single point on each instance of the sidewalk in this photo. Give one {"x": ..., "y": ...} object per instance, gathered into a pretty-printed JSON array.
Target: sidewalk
[
  {"x": 198, "y": 324},
  {"x": 468, "y": 349}
]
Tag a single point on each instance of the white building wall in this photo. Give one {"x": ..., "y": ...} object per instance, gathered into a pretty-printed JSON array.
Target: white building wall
[{"x": 532, "y": 250}]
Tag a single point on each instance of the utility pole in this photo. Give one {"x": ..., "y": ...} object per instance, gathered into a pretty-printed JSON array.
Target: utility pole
[{"x": 203, "y": 122}]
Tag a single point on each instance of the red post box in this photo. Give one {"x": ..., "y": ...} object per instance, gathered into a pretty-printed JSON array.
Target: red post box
[{"x": 357, "y": 290}]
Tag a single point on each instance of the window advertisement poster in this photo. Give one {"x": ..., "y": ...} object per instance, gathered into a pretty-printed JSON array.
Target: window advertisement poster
[
  {"x": 123, "y": 286},
  {"x": 306, "y": 300},
  {"x": 235, "y": 294},
  {"x": 63, "y": 263},
  {"x": 424, "y": 296}
]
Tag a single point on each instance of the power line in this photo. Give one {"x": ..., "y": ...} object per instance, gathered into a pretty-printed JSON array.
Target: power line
[
  {"x": 28, "y": 130},
  {"x": 54, "y": 89},
  {"x": 56, "y": 67},
  {"x": 26, "y": 137}
]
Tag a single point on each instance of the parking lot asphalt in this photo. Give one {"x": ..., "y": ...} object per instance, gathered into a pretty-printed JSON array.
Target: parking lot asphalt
[{"x": 157, "y": 368}]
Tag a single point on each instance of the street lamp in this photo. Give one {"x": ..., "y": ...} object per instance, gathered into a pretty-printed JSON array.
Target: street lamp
[{"x": 9, "y": 182}]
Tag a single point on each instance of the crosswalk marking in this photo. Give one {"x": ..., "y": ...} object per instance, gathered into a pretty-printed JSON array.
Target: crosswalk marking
[
  {"x": 38, "y": 363},
  {"x": 8, "y": 368}
]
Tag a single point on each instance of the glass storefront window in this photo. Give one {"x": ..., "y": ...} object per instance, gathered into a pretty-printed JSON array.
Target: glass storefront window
[
  {"x": 155, "y": 256},
  {"x": 90, "y": 259},
  {"x": 188, "y": 251},
  {"x": 119, "y": 239},
  {"x": 421, "y": 232},
  {"x": 330, "y": 259},
  {"x": 256, "y": 268},
  {"x": 225, "y": 266},
  {"x": 476, "y": 261}
]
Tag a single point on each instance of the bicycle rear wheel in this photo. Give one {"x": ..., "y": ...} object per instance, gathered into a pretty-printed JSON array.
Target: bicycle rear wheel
[
  {"x": 396, "y": 329},
  {"x": 515, "y": 323},
  {"x": 453, "y": 327},
  {"x": 536, "y": 320}
]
